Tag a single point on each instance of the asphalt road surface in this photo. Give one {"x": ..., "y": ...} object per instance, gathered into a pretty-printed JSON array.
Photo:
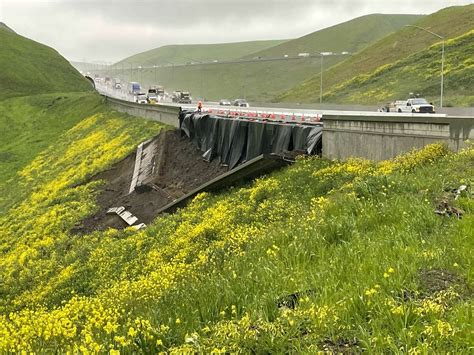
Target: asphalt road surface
[{"x": 267, "y": 112}]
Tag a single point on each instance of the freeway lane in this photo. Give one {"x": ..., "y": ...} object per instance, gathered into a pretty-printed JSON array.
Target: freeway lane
[{"x": 266, "y": 112}]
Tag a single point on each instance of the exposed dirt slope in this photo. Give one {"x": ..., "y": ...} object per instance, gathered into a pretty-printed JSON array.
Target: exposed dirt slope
[{"x": 182, "y": 170}]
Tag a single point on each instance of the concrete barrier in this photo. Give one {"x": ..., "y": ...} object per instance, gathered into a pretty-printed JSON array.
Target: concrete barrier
[
  {"x": 371, "y": 136},
  {"x": 157, "y": 112},
  {"x": 379, "y": 138}
]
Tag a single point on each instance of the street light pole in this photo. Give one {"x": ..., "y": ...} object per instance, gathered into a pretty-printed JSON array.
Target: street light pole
[
  {"x": 442, "y": 75},
  {"x": 321, "y": 84},
  {"x": 442, "y": 59}
]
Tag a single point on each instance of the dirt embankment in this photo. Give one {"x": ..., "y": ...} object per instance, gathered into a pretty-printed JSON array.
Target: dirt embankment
[{"x": 180, "y": 170}]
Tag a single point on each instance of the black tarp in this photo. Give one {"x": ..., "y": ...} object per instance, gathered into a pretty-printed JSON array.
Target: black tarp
[{"x": 235, "y": 140}]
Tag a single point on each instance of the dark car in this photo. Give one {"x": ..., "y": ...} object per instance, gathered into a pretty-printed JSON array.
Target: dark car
[{"x": 241, "y": 103}]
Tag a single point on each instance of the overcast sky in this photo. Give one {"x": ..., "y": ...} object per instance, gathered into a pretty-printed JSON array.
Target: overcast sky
[{"x": 110, "y": 30}]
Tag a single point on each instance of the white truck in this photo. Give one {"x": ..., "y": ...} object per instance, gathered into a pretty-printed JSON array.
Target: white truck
[
  {"x": 413, "y": 105},
  {"x": 416, "y": 105}
]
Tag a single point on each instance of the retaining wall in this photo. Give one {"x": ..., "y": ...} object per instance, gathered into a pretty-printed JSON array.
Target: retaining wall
[
  {"x": 380, "y": 138},
  {"x": 375, "y": 137}
]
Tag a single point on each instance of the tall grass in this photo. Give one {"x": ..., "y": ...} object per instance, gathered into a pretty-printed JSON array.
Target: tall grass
[{"x": 320, "y": 256}]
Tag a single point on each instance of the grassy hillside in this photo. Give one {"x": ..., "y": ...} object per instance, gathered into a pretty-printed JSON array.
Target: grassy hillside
[
  {"x": 185, "y": 53},
  {"x": 450, "y": 22},
  {"x": 320, "y": 256},
  {"x": 30, "y": 68},
  {"x": 420, "y": 73},
  {"x": 31, "y": 124},
  {"x": 256, "y": 81},
  {"x": 350, "y": 36},
  {"x": 5, "y": 27}
]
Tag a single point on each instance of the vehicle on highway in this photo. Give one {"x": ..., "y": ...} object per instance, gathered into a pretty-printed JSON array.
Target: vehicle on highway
[
  {"x": 415, "y": 105},
  {"x": 240, "y": 103},
  {"x": 140, "y": 98},
  {"x": 224, "y": 102},
  {"x": 182, "y": 97},
  {"x": 160, "y": 92},
  {"x": 152, "y": 98},
  {"x": 412, "y": 105},
  {"x": 134, "y": 88}
]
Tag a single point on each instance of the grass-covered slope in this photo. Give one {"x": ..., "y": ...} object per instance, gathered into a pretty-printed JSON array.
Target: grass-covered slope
[
  {"x": 256, "y": 81},
  {"x": 30, "y": 68},
  {"x": 350, "y": 36},
  {"x": 322, "y": 255},
  {"x": 451, "y": 22},
  {"x": 34, "y": 124},
  {"x": 186, "y": 53},
  {"x": 259, "y": 80},
  {"x": 419, "y": 73},
  {"x": 30, "y": 124},
  {"x": 5, "y": 27}
]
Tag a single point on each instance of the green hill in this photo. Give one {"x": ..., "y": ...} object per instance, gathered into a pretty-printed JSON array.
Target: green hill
[
  {"x": 5, "y": 27},
  {"x": 350, "y": 36},
  {"x": 450, "y": 22},
  {"x": 418, "y": 73},
  {"x": 28, "y": 68},
  {"x": 256, "y": 80},
  {"x": 187, "y": 53}
]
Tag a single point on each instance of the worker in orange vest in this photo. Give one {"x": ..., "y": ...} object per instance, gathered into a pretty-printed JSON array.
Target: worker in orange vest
[{"x": 199, "y": 106}]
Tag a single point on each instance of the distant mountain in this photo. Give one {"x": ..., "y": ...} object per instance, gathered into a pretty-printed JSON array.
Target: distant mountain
[
  {"x": 28, "y": 67},
  {"x": 450, "y": 22},
  {"x": 350, "y": 36},
  {"x": 195, "y": 53}
]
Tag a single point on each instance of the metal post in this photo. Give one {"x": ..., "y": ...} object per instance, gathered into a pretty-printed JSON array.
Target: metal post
[
  {"x": 442, "y": 75},
  {"x": 321, "y": 84},
  {"x": 442, "y": 59}
]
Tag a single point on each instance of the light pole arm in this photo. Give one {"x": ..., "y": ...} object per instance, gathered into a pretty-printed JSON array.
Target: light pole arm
[
  {"x": 442, "y": 58},
  {"x": 424, "y": 29}
]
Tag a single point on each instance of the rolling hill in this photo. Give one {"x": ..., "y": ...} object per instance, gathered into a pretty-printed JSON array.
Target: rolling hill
[
  {"x": 350, "y": 36},
  {"x": 29, "y": 67},
  {"x": 186, "y": 53},
  {"x": 451, "y": 22},
  {"x": 418, "y": 73},
  {"x": 256, "y": 80}
]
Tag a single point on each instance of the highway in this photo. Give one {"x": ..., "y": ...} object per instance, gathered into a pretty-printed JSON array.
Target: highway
[{"x": 308, "y": 116}]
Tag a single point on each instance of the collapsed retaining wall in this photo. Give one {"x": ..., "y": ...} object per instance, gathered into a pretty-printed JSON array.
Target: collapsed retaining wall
[{"x": 236, "y": 140}]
